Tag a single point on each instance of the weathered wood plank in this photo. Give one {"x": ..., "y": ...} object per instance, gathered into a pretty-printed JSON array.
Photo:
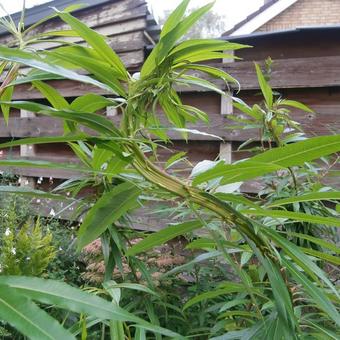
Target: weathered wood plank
[
  {"x": 115, "y": 12},
  {"x": 287, "y": 73},
  {"x": 290, "y": 73},
  {"x": 313, "y": 125}
]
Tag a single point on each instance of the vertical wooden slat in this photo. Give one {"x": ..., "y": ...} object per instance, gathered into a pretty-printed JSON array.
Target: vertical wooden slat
[
  {"x": 27, "y": 151},
  {"x": 226, "y": 109}
]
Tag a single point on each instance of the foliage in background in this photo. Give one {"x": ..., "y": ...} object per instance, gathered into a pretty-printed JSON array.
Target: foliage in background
[
  {"x": 211, "y": 25},
  {"x": 25, "y": 248},
  {"x": 263, "y": 285}
]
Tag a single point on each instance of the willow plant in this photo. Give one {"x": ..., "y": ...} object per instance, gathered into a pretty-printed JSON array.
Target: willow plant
[{"x": 118, "y": 158}]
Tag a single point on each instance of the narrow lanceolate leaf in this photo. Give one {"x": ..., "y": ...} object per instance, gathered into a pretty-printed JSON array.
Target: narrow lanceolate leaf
[
  {"x": 23, "y": 314},
  {"x": 265, "y": 88},
  {"x": 45, "y": 140},
  {"x": 233, "y": 287},
  {"x": 90, "y": 120},
  {"x": 52, "y": 95},
  {"x": 301, "y": 259},
  {"x": 318, "y": 241},
  {"x": 315, "y": 196},
  {"x": 36, "y": 75},
  {"x": 6, "y": 96},
  {"x": 62, "y": 295},
  {"x": 321, "y": 255},
  {"x": 173, "y": 33},
  {"x": 32, "y": 60},
  {"x": 102, "y": 71},
  {"x": 41, "y": 164},
  {"x": 297, "y": 105},
  {"x": 163, "y": 236},
  {"x": 282, "y": 297},
  {"x": 107, "y": 210},
  {"x": 174, "y": 18},
  {"x": 9, "y": 189},
  {"x": 319, "y": 297},
  {"x": 296, "y": 216},
  {"x": 278, "y": 158},
  {"x": 97, "y": 42},
  {"x": 91, "y": 102}
]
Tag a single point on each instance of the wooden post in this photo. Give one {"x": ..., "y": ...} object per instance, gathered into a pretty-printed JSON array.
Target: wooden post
[
  {"x": 27, "y": 151},
  {"x": 226, "y": 109}
]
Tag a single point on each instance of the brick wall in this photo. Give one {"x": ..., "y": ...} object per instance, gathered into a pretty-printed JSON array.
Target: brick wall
[{"x": 305, "y": 13}]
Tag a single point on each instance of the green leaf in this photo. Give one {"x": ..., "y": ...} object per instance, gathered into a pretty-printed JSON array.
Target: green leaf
[
  {"x": 314, "y": 196},
  {"x": 318, "y": 241},
  {"x": 200, "y": 258},
  {"x": 197, "y": 45},
  {"x": 296, "y": 216},
  {"x": 36, "y": 75},
  {"x": 52, "y": 95},
  {"x": 282, "y": 297},
  {"x": 73, "y": 299},
  {"x": 108, "y": 209},
  {"x": 323, "y": 256},
  {"x": 41, "y": 164},
  {"x": 173, "y": 33},
  {"x": 174, "y": 18},
  {"x": 91, "y": 102},
  {"x": 96, "y": 41},
  {"x": 29, "y": 192},
  {"x": 91, "y": 120},
  {"x": 274, "y": 159},
  {"x": 299, "y": 257},
  {"x": 163, "y": 236},
  {"x": 191, "y": 80},
  {"x": 233, "y": 287},
  {"x": 265, "y": 87},
  {"x": 133, "y": 286},
  {"x": 213, "y": 71},
  {"x": 320, "y": 298},
  {"x": 140, "y": 334},
  {"x": 295, "y": 104},
  {"x": 177, "y": 157},
  {"x": 28, "y": 318},
  {"x": 32, "y": 60},
  {"x": 195, "y": 132},
  {"x": 238, "y": 199},
  {"x": 101, "y": 70},
  {"x": 44, "y": 140},
  {"x": 6, "y": 96}
]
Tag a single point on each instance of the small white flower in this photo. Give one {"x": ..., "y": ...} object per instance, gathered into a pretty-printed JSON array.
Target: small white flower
[
  {"x": 7, "y": 232},
  {"x": 28, "y": 258},
  {"x": 52, "y": 212},
  {"x": 40, "y": 179},
  {"x": 38, "y": 200},
  {"x": 60, "y": 248},
  {"x": 13, "y": 251},
  {"x": 68, "y": 193},
  {"x": 26, "y": 182}
]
